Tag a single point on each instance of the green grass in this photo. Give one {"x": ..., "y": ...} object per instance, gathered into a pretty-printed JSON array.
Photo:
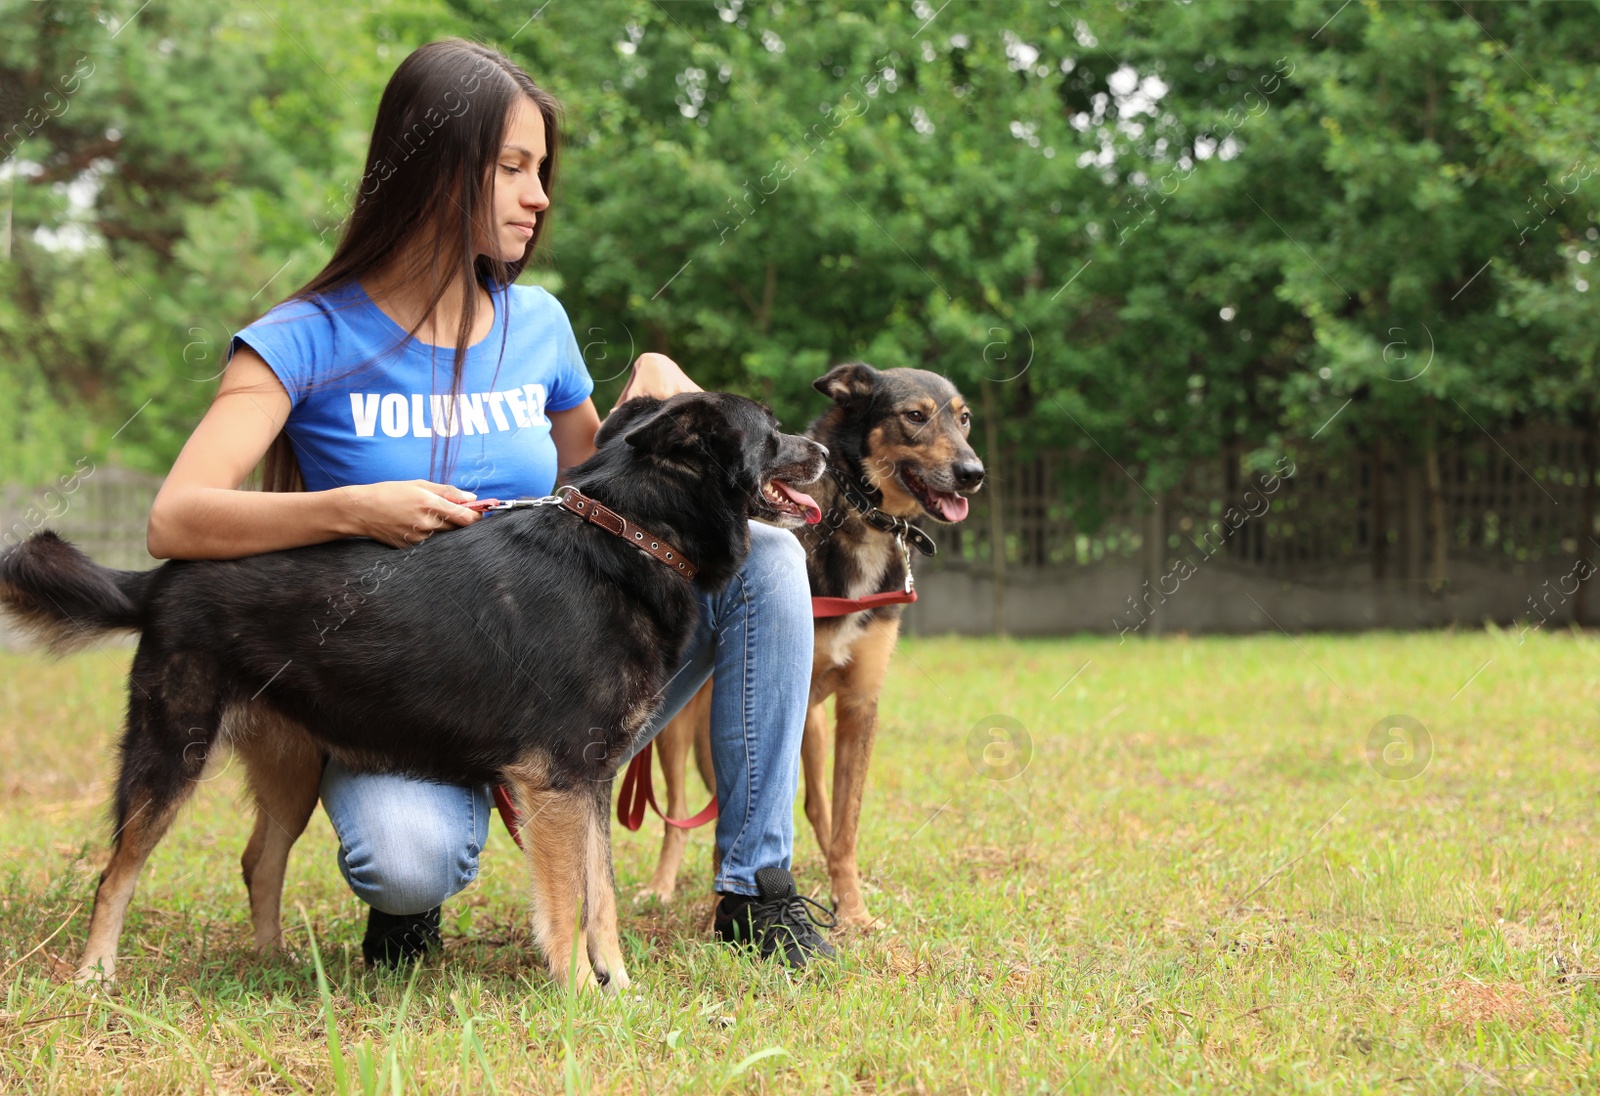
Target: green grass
[{"x": 1198, "y": 883}]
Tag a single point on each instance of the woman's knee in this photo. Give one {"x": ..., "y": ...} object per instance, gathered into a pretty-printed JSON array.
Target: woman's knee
[
  {"x": 777, "y": 589},
  {"x": 777, "y": 559},
  {"x": 410, "y": 870},
  {"x": 404, "y": 845}
]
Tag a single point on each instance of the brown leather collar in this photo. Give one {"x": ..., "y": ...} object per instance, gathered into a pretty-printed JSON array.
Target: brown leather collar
[{"x": 613, "y": 522}]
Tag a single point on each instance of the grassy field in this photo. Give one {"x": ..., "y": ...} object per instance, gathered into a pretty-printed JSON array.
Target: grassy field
[{"x": 1205, "y": 878}]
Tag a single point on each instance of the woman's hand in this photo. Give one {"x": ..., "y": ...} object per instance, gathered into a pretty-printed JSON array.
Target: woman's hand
[
  {"x": 656, "y": 375},
  {"x": 573, "y": 429},
  {"x": 403, "y": 513}
]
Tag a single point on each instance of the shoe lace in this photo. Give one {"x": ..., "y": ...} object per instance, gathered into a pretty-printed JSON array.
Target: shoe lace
[{"x": 791, "y": 914}]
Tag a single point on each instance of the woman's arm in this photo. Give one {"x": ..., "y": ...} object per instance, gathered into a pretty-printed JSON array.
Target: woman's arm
[
  {"x": 573, "y": 432},
  {"x": 200, "y": 513}
]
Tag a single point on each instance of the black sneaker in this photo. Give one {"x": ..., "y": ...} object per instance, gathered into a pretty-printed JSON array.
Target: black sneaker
[
  {"x": 777, "y": 922},
  {"x": 394, "y": 940}
]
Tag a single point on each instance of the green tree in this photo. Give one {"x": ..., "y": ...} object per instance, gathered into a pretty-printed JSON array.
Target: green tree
[{"x": 1150, "y": 236}]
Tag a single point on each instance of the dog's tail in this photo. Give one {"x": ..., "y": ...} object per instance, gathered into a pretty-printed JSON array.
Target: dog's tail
[{"x": 63, "y": 597}]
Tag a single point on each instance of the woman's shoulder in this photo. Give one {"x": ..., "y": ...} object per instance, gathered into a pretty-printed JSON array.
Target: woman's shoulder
[
  {"x": 534, "y": 302},
  {"x": 308, "y": 316},
  {"x": 540, "y": 331},
  {"x": 304, "y": 335}
]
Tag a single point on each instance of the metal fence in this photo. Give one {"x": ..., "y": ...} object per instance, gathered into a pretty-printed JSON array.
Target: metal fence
[
  {"x": 1482, "y": 521},
  {"x": 102, "y": 510},
  {"x": 1504, "y": 503}
]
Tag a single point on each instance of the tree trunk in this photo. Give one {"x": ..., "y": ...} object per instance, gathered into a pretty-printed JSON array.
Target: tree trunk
[
  {"x": 992, "y": 482},
  {"x": 1380, "y": 512},
  {"x": 768, "y": 291},
  {"x": 1438, "y": 573},
  {"x": 1591, "y": 455},
  {"x": 1230, "y": 491},
  {"x": 1412, "y": 536},
  {"x": 1155, "y": 557},
  {"x": 11, "y": 209}
]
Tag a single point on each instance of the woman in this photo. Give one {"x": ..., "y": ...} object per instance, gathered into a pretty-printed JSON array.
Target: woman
[{"x": 408, "y": 377}]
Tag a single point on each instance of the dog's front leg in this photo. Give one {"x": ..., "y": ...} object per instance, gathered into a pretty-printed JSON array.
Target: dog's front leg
[
  {"x": 856, "y": 726},
  {"x": 814, "y": 760},
  {"x": 555, "y": 836},
  {"x": 600, "y": 914}
]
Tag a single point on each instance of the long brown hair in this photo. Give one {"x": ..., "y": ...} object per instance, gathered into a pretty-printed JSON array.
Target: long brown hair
[{"x": 430, "y": 169}]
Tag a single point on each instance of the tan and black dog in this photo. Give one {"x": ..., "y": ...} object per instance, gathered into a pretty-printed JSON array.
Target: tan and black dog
[{"x": 898, "y": 452}]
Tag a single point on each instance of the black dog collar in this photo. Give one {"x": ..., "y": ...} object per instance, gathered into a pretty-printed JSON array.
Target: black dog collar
[{"x": 884, "y": 523}]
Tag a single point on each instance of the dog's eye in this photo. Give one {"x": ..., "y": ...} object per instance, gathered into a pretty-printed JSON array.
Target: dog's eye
[
  {"x": 966, "y": 418},
  {"x": 918, "y": 417}
]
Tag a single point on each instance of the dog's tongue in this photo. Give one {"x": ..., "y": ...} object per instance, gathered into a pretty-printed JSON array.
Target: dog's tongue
[
  {"x": 951, "y": 505},
  {"x": 804, "y": 501}
]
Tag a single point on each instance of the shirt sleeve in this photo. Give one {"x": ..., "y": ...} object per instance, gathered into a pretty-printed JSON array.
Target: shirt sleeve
[
  {"x": 294, "y": 339},
  {"x": 572, "y": 383}
]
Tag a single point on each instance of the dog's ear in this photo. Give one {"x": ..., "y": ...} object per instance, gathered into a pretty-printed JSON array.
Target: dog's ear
[
  {"x": 848, "y": 383},
  {"x": 676, "y": 426},
  {"x": 624, "y": 416}
]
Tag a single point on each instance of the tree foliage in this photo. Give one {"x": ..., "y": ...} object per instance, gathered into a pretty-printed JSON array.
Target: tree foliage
[{"x": 1146, "y": 234}]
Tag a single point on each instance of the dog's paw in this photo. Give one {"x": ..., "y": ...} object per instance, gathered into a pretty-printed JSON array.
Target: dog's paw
[
  {"x": 96, "y": 977},
  {"x": 850, "y": 912},
  {"x": 614, "y": 985},
  {"x": 861, "y": 921},
  {"x": 653, "y": 893}
]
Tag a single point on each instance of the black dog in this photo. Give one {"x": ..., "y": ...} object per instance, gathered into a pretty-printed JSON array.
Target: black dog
[{"x": 529, "y": 648}]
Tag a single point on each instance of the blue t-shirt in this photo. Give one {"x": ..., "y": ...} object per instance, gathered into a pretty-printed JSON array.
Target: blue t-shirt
[{"x": 362, "y": 411}]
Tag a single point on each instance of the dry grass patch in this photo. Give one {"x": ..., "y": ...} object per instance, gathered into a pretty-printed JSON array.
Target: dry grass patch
[{"x": 1198, "y": 884}]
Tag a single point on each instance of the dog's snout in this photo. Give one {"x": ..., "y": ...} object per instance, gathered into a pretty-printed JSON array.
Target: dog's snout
[
  {"x": 968, "y": 474},
  {"x": 818, "y": 461},
  {"x": 801, "y": 459}
]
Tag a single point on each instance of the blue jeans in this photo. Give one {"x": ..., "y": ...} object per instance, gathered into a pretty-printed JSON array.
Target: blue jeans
[{"x": 405, "y": 845}]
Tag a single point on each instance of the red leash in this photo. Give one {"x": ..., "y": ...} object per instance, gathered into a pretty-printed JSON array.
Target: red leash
[
  {"x": 825, "y": 607},
  {"x": 508, "y": 813},
  {"x": 638, "y": 788},
  {"x": 637, "y": 791}
]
